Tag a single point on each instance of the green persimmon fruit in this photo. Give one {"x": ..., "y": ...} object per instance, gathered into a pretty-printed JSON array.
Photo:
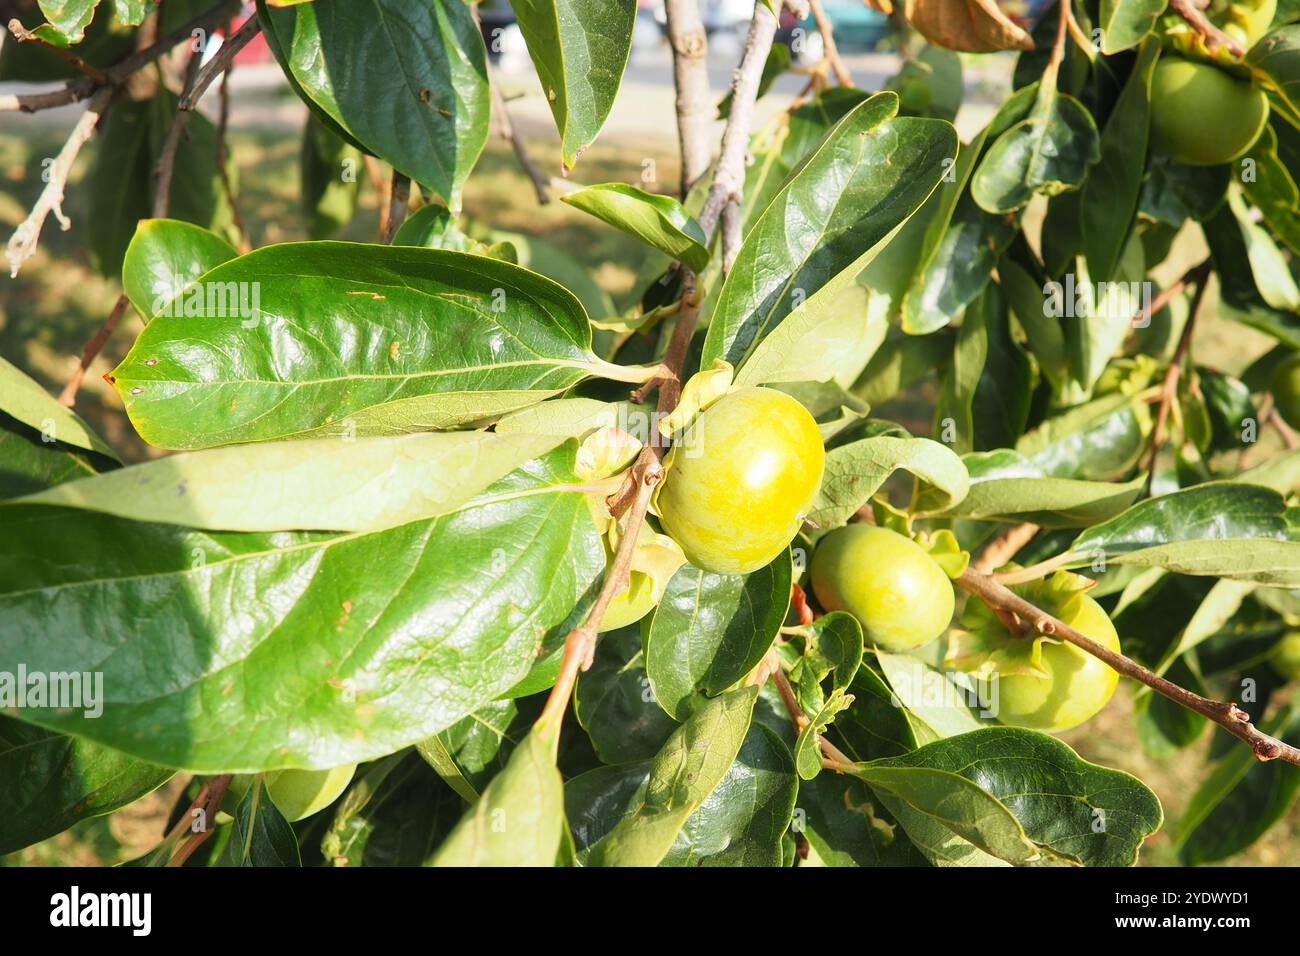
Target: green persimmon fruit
[
  {"x": 1201, "y": 115},
  {"x": 742, "y": 476},
  {"x": 1286, "y": 656},
  {"x": 1286, "y": 390},
  {"x": 897, "y": 592},
  {"x": 296, "y": 793},
  {"x": 630, "y": 604},
  {"x": 1079, "y": 684}
]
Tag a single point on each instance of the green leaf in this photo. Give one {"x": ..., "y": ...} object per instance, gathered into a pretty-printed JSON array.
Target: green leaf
[
  {"x": 580, "y": 49},
  {"x": 1093, "y": 338},
  {"x": 1100, "y": 440},
  {"x": 292, "y": 650},
  {"x": 854, "y": 472},
  {"x": 519, "y": 820},
  {"x": 324, "y": 484},
  {"x": 807, "y": 752},
  {"x": 368, "y": 62},
  {"x": 1223, "y": 529},
  {"x": 1275, "y": 63},
  {"x": 1273, "y": 189},
  {"x": 659, "y": 221},
  {"x": 335, "y": 338},
  {"x": 432, "y": 227},
  {"x": 49, "y": 781},
  {"x": 1238, "y": 290},
  {"x": 1172, "y": 193},
  {"x": 615, "y": 705},
  {"x": 868, "y": 174},
  {"x": 710, "y": 630},
  {"x": 936, "y": 706},
  {"x": 469, "y": 753},
  {"x": 69, "y": 17},
  {"x": 32, "y": 464},
  {"x": 262, "y": 836},
  {"x": 164, "y": 259},
  {"x": 1022, "y": 796},
  {"x": 1047, "y": 153},
  {"x": 1006, "y": 486},
  {"x": 329, "y": 169},
  {"x": 1125, "y": 22},
  {"x": 848, "y": 825},
  {"x": 1110, "y": 195},
  {"x": 120, "y": 183},
  {"x": 692, "y": 764},
  {"x": 23, "y": 398},
  {"x": 1241, "y": 799}
]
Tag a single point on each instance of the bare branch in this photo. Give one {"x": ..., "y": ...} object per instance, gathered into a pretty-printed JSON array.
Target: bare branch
[
  {"x": 22, "y": 245},
  {"x": 1228, "y": 716},
  {"x": 23, "y": 35},
  {"x": 223, "y": 159},
  {"x": 68, "y": 396},
  {"x": 1004, "y": 547},
  {"x": 398, "y": 199},
  {"x": 220, "y": 62},
  {"x": 162, "y": 175},
  {"x": 832, "y": 53},
  {"x": 506, "y": 129},
  {"x": 691, "y": 77}
]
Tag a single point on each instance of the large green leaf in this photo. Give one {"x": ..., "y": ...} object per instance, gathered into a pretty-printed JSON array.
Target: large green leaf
[
  {"x": 405, "y": 78},
  {"x": 1006, "y": 486},
  {"x": 854, "y": 472},
  {"x": 658, "y": 221},
  {"x": 245, "y": 651},
  {"x": 1099, "y": 441},
  {"x": 345, "y": 338},
  {"x": 710, "y": 630},
  {"x": 1225, "y": 529},
  {"x": 23, "y": 398},
  {"x": 834, "y": 213},
  {"x": 163, "y": 260},
  {"x": 326, "y": 484},
  {"x": 579, "y": 48},
  {"x": 519, "y": 820},
  {"x": 1022, "y": 796},
  {"x": 49, "y": 781}
]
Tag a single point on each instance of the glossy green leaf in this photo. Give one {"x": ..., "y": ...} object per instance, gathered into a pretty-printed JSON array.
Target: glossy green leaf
[
  {"x": 1229, "y": 530},
  {"x": 1022, "y": 796},
  {"x": 29, "y": 464},
  {"x": 807, "y": 751},
  {"x": 1125, "y": 22},
  {"x": 615, "y": 704},
  {"x": 469, "y": 753},
  {"x": 691, "y": 765},
  {"x": 405, "y": 78},
  {"x": 848, "y": 825},
  {"x": 579, "y": 48},
  {"x": 163, "y": 260},
  {"x": 262, "y": 836},
  {"x": 1100, "y": 440},
  {"x": 243, "y": 652},
  {"x": 710, "y": 630},
  {"x": 69, "y": 17},
  {"x": 936, "y": 706},
  {"x": 432, "y": 227},
  {"x": 24, "y": 399},
  {"x": 519, "y": 820},
  {"x": 326, "y": 484},
  {"x": 854, "y": 472},
  {"x": 1273, "y": 189},
  {"x": 342, "y": 338},
  {"x": 1173, "y": 193},
  {"x": 49, "y": 781},
  {"x": 868, "y": 174},
  {"x": 659, "y": 221}
]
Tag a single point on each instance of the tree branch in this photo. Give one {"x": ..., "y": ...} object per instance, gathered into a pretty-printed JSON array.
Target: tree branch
[
  {"x": 162, "y": 176},
  {"x": 1214, "y": 37},
  {"x": 23, "y": 35},
  {"x": 506, "y": 130},
  {"x": 220, "y": 63},
  {"x": 1226, "y": 715},
  {"x": 92, "y": 349},
  {"x": 398, "y": 198},
  {"x": 1004, "y": 547},
  {"x": 691, "y": 77},
  {"x": 209, "y": 799},
  {"x": 22, "y": 245},
  {"x": 832, "y": 53}
]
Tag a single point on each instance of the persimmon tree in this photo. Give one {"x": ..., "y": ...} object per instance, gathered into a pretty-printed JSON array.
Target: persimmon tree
[{"x": 451, "y": 564}]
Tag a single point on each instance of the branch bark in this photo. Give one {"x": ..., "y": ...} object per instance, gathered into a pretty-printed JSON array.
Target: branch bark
[
  {"x": 506, "y": 129},
  {"x": 691, "y": 76},
  {"x": 220, "y": 63},
  {"x": 1226, "y": 715},
  {"x": 399, "y": 197},
  {"x": 832, "y": 53},
  {"x": 1214, "y": 37}
]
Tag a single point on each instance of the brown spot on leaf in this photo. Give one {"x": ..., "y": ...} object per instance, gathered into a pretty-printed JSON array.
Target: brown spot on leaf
[
  {"x": 426, "y": 96},
  {"x": 374, "y": 295},
  {"x": 394, "y": 351},
  {"x": 343, "y": 618}
]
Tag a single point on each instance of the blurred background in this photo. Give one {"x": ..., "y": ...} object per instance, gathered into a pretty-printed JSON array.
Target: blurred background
[{"x": 58, "y": 301}]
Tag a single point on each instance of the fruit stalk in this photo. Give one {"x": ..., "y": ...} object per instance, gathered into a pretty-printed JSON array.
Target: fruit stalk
[
  {"x": 1214, "y": 37},
  {"x": 1227, "y": 715}
]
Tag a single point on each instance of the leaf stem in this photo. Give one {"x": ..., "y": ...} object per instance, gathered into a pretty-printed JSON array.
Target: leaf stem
[{"x": 1226, "y": 715}]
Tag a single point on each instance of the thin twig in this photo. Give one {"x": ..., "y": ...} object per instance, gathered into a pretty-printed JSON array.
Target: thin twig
[
  {"x": 1226, "y": 715},
  {"x": 1004, "y": 547},
  {"x": 220, "y": 62},
  {"x": 506, "y": 130},
  {"x": 162, "y": 175},
  {"x": 831, "y": 51},
  {"x": 23, "y": 35},
  {"x": 398, "y": 198},
  {"x": 22, "y": 245},
  {"x": 223, "y": 160},
  {"x": 92, "y": 349},
  {"x": 116, "y": 74},
  {"x": 1214, "y": 37},
  {"x": 838, "y": 759},
  {"x": 1169, "y": 390},
  {"x": 215, "y": 792},
  {"x": 691, "y": 78}
]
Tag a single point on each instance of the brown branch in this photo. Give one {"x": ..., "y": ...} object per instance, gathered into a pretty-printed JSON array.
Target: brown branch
[
  {"x": 506, "y": 130},
  {"x": 220, "y": 63},
  {"x": 1169, "y": 389},
  {"x": 163, "y": 171},
  {"x": 22, "y": 245},
  {"x": 1226, "y": 715},
  {"x": 92, "y": 349},
  {"x": 1214, "y": 37},
  {"x": 399, "y": 196},
  {"x": 211, "y": 796},
  {"x": 1004, "y": 547},
  {"x": 23, "y": 35},
  {"x": 731, "y": 235},
  {"x": 117, "y": 74},
  {"x": 691, "y": 78},
  {"x": 833, "y": 757},
  {"x": 832, "y": 53}
]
